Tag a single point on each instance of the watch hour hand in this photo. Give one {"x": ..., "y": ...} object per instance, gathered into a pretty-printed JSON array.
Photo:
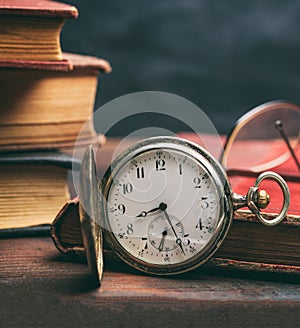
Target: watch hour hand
[{"x": 143, "y": 214}]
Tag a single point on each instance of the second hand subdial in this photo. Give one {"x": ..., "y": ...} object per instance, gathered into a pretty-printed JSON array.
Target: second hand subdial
[{"x": 160, "y": 235}]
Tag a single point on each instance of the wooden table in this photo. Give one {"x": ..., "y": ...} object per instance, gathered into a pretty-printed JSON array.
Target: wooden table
[{"x": 40, "y": 287}]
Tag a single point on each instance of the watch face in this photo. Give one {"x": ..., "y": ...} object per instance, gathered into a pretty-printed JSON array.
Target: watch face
[{"x": 165, "y": 205}]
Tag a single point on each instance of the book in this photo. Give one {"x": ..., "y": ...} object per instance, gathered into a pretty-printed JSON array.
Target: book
[
  {"x": 33, "y": 187},
  {"x": 44, "y": 104},
  {"x": 30, "y": 30},
  {"x": 248, "y": 246}
]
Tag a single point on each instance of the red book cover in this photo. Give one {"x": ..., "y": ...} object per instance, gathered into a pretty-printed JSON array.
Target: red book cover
[
  {"x": 37, "y": 8},
  {"x": 68, "y": 63}
]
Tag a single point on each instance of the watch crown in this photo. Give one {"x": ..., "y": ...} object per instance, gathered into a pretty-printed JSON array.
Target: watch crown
[{"x": 263, "y": 199}]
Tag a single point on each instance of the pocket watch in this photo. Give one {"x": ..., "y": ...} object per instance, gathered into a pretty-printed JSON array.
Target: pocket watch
[
  {"x": 164, "y": 206},
  {"x": 167, "y": 205}
]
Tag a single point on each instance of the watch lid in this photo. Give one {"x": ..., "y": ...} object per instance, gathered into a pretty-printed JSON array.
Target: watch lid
[{"x": 89, "y": 214}]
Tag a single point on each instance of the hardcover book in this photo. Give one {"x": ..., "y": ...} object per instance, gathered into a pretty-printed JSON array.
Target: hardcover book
[
  {"x": 30, "y": 30},
  {"x": 44, "y": 105},
  {"x": 33, "y": 187}
]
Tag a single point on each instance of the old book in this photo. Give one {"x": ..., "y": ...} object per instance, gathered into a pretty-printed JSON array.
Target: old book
[
  {"x": 30, "y": 30},
  {"x": 45, "y": 104},
  {"x": 248, "y": 246},
  {"x": 33, "y": 187}
]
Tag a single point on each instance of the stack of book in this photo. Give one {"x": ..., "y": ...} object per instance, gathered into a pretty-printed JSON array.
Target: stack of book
[{"x": 45, "y": 98}]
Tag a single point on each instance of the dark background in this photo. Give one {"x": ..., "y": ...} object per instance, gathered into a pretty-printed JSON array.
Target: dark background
[{"x": 225, "y": 56}]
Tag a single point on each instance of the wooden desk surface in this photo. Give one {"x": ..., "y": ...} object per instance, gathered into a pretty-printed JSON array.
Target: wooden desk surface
[{"x": 41, "y": 288}]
